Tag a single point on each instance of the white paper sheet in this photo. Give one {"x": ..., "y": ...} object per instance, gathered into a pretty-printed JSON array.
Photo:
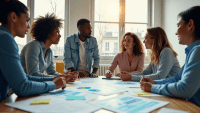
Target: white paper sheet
[
  {"x": 71, "y": 92},
  {"x": 56, "y": 105},
  {"x": 126, "y": 103},
  {"x": 138, "y": 89},
  {"x": 102, "y": 87}
]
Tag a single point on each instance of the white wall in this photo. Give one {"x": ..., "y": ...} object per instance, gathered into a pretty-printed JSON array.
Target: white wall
[
  {"x": 171, "y": 8},
  {"x": 156, "y": 13},
  {"x": 78, "y": 9}
]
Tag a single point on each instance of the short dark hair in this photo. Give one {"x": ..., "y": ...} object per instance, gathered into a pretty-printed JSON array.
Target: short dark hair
[
  {"x": 43, "y": 26},
  {"x": 192, "y": 13},
  {"x": 81, "y": 22},
  {"x": 8, "y": 6}
]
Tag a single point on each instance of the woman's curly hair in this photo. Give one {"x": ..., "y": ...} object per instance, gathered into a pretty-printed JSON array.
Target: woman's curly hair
[{"x": 43, "y": 26}]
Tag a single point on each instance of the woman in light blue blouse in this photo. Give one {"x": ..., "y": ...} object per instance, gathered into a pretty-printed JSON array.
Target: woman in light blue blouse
[
  {"x": 186, "y": 84},
  {"x": 164, "y": 63},
  {"x": 37, "y": 56}
]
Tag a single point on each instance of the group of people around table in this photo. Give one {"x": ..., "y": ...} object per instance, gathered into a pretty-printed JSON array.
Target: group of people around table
[{"x": 24, "y": 74}]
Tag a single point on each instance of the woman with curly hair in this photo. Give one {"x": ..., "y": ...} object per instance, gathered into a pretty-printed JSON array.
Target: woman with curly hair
[
  {"x": 14, "y": 22},
  {"x": 164, "y": 63},
  {"x": 131, "y": 58},
  {"x": 37, "y": 56}
]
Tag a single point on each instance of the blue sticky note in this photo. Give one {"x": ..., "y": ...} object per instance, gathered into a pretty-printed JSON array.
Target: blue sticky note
[
  {"x": 75, "y": 98},
  {"x": 94, "y": 90}
]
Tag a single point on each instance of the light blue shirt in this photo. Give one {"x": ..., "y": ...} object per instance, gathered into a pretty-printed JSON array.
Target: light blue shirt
[
  {"x": 71, "y": 53},
  {"x": 167, "y": 67},
  {"x": 186, "y": 83},
  {"x": 12, "y": 74},
  {"x": 34, "y": 62}
]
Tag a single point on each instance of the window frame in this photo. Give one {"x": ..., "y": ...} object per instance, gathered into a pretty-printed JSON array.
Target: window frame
[
  {"x": 122, "y": 23},
  {"x": 31, "y": 3}
]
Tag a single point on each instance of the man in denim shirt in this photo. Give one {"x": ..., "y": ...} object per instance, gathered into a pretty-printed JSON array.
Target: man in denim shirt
[{"x": 80, "y": 49}]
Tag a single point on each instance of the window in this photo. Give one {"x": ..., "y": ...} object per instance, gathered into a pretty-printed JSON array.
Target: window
[
  {"x": 107, "y": 46},
  {"x": 116, "y": 47},
  {"x": 58, "y": 8},
  {"x": 113, "y": 18}
]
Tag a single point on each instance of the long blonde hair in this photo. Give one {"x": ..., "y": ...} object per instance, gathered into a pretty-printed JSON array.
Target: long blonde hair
[{"x": 160, "y": 42}]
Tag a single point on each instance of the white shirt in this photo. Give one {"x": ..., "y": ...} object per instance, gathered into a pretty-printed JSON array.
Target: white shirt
[{"x": 82, "y": 54}]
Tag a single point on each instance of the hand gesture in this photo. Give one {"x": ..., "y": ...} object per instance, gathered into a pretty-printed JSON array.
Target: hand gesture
[
  {"x": 71, "y": 76},
  {"x": 60, "y": 82},
  {"x": 108, "y": 75},
  {"x": 146, "y": 86},
  {"x": 125, "y": 76},
  {"x": 146, "y": 79},
  {"x": 118, "y": 75},
  {"x": 83, "y": 73}
]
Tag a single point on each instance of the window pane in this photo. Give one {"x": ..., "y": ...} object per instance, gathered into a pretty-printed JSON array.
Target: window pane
[
  {"x": 106, "y": 32},
  {"x": 136, "y": 11},
  {"x": 107, "y": 10},
  {"x": 21, "y": 41},
  {"x": 139, "y": 29},
  {"x": 57, "y": 7}
]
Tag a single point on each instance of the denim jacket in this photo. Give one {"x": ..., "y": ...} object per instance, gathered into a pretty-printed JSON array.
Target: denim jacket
[{"x": 71, "y": 52}]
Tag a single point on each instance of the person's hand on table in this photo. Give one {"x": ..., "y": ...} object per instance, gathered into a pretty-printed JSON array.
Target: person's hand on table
[
  {"x": 108, "y": 75},
  {"x": 125, "y": 76},
  {"x": 60, "y": 82},
  {"x": 83, "y": 74},
  {"x": 93, "y": 75},
  {"x": 69, "y": 76},
  {"x": 146, "y": 86},
  {"x": 118, "y": 75},
  {"x": 146, "y": 79}
]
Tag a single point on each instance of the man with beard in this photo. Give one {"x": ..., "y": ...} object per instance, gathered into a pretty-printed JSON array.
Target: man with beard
[{"x": 80, "y": 50}]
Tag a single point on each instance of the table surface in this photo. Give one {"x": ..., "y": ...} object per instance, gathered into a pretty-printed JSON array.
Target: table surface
[{"x": 175, "y": 103}]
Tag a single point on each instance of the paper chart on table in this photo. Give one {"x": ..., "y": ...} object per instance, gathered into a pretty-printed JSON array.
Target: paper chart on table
[
  {"x": 128, "y": 104},
  {"x": 134, "y": 91},
  {"x": 71, "y": 92},
  {"x": 57, "y": 105},
  {"x": 104, "y": 90},
  {"x": 127, "y": 84}
]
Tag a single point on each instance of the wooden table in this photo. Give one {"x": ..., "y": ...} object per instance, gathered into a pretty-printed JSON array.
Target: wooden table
[{"x": 175, "y": 103}]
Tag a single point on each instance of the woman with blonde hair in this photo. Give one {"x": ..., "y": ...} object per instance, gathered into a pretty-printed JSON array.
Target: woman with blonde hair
[
  {"x": 186, "y": 83},
  {"x": 131, "y": 58},
  {"x": 164, "y": 63}
]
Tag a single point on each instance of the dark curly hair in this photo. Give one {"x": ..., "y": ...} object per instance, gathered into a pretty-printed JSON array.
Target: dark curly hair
[
  {"x": 138, "y": 47},
  {"x": 43, "y": 26}
]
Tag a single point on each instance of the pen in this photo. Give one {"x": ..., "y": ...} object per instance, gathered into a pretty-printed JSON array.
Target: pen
[{"x": 141, "y": 77}]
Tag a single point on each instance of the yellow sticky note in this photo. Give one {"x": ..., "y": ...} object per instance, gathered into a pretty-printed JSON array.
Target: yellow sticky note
[
  {"x": 141, "y": 93},
  {"x": 41, "y": 101},
  {"x": 70, "y": 85},
  {"x": 60, "y": 67}
]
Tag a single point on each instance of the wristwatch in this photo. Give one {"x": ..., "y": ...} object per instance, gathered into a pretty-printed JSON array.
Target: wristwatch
[
  {"x": 108, "y": 71},
  {"x": 93, "y": 75}
]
